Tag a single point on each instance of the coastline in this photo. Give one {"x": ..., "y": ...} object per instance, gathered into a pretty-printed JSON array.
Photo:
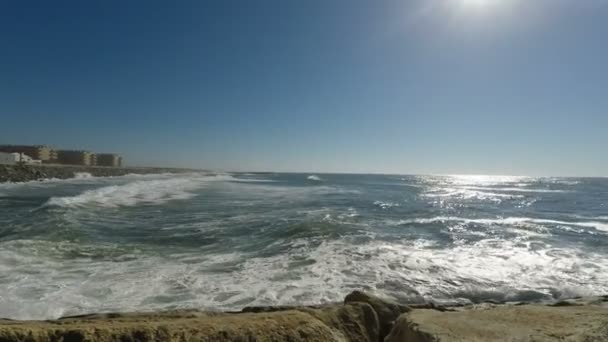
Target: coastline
[
  {"x": 360, "y": 318},
  {"x": 28, "y": 172}
]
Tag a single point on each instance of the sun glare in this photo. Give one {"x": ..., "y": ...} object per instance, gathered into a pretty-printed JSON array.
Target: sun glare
[{"x": 476, "y": 3}]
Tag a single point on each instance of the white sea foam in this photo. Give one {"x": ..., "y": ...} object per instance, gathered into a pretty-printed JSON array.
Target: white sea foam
[
  {"x": 506, "y": 221},
  {"x": 314, "y": 178},
  {"x": 308, "y": 273}
]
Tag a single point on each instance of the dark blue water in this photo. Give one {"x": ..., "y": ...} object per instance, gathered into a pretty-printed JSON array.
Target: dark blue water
[{"x": 227, "y": 241}]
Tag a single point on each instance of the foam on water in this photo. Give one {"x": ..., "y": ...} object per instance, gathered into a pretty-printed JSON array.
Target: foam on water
[
  {"x": 314, "y": 178},
  {"x": 308, "y": 273}
]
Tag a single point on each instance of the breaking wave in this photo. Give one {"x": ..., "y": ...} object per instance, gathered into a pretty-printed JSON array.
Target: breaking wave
[
  {"x": 153, "y": 191},
  {"x": 131, "y": 194},
  {"x": 81, "y": 175},
  {"x": 314, "y": 178}
]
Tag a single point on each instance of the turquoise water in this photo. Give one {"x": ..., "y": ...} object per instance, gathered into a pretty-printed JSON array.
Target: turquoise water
[{"x": 225, "y": 241}]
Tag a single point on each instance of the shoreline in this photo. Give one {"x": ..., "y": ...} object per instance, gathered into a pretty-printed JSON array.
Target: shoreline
[
  {"x": 28, "y": 172},
  {"x": 361, "y": 317}
]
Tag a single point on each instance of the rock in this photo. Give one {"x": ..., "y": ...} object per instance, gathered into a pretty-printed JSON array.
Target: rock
[
  {"x": 387, "y": 311},
  {"x": 361, "y": 318},
  {"x": 26, "y": 173},
  {"x": 356, "y": 322},
  {"x": 502, "y": 323},
  {"x": 278, "y": 326}
]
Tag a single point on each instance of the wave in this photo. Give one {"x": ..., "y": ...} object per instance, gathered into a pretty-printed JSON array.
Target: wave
[
  {"x": 583, "y": 217},
  {"x": 250, "y": 180},
  {"x": 505, "y": 221},
  {"x": 158, "y": 189},
  {"x": 554, "y": 180},
  {"x": 314, "y": 178},
  {"x": 385, "y": 205},
  {"x": 155, "y": 191},
  {"x": 81, "y": 175}
]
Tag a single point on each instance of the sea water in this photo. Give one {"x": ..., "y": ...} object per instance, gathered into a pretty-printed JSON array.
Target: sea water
[{"x": 225, "y": 241}]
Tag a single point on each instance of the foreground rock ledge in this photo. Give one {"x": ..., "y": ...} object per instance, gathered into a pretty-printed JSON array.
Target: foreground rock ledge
[{"x": 360, "y": 318}]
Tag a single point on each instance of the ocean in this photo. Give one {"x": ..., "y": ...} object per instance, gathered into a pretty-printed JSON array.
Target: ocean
[{"x": 223, "y": 241}]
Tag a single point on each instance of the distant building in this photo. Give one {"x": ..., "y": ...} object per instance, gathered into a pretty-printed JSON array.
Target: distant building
[
  {"x": 41, "y": 152},
  {"x": 71, "y": 157},
  {"x": 14, "y": 158},
  {"x": 109, "y": 159},
  {"x": 9, "y": 158}
]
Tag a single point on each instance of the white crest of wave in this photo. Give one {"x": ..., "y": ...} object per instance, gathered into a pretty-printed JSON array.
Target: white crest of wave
[
  {"x": 81, "y": 175},
  {"x": 385, "y": 205},
  {"x": 314, "y": 178},
  {"x": 154, "y": 191}
]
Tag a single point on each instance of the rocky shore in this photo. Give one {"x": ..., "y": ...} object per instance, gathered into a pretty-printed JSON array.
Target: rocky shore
[
  {"x": 360, "y": 318},
  {"x": 27, "y": 173}
]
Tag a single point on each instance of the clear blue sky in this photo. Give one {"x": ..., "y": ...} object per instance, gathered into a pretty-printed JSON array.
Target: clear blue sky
[{"x": 420, "y": 86}]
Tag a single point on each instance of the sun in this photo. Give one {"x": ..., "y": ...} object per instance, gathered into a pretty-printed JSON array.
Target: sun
[
  {"x": 478, "y": 3},
  {"x": 479, "y": 6}
]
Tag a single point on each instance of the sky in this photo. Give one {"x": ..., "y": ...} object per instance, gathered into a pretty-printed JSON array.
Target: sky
[{"x": 515, "y": 87}]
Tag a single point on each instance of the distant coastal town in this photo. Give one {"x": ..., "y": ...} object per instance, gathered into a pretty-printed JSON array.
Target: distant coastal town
[
  {"x": 43, "y": 154},
  {"x": 24, "y": 163}
]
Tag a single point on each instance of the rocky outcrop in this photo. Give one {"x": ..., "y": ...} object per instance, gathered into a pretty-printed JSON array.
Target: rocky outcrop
[
  {"x": 26, "y": 173},
  {"x": 355, "y": 321},
  {"x": 582, "y": 320},
  {"x": 361, "y": 318}
]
